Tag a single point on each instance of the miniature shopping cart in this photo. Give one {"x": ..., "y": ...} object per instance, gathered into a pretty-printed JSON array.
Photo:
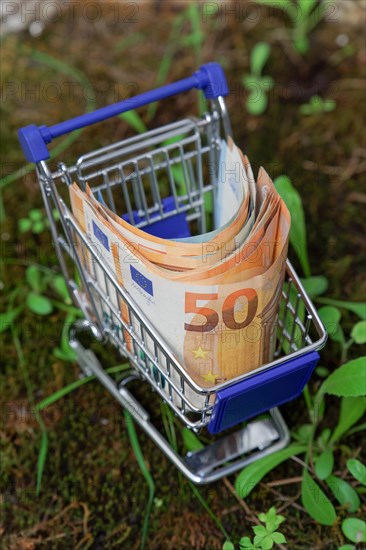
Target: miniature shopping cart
[{"x": 165, "y": 182}]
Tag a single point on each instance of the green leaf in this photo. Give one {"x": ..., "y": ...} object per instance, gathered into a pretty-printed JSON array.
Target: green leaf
[
  {"x": 323, "y": 439},
  {"x": 359, "y": 332},
  {"x": 271, "y": 519},
  {"x": 306, "y": 6},
  {"x": 178, "y": 176},
  {"x": 39, "y": 304},
  {"x": 191, "y": 441},
  {"x": 302, "y": 45},
  {"x": 329, "y": 105},
  {"x": 298, "y": 229},
  {"x": 256, "y": 104},
  {"x": 65, "y": 351},
  {"x": 60, "y": 286},
  {"x": 315, "y": 502},
  {"x": 64, "y": 355},
  {"x": 8, "y": 317},
  {"x": 323, "y": 372},
  {"x": 33, "y": 277},
  {"x": 252, "y": 474},
  {"x": 280, "y": 4},
  {"x": 266, "y": 83},
  {"x": 207, "y": 199},
  {"x": 354, "y": 529},
  {"x": 228, "y": 546},
  {"x": 278, "y": 538},
  {"x": 24, "y": 225},
  {"x": 38, "y": 227},
  {"x": 245, "y": 542},
  {"x": 315, "y": 286},
  {"x": 352, "y": 409},
  {"x": 357, "y": 308},
  {"x": 36, "y": 215},
  {"x": 344, "y": 493},
  {"x": 259, "y": 57},
  {"x": 347, "y": 547},
  {"x": 250, "y": 80},
  {"x": 324, "y": 464},
  {"x": 357, "y": 469},
  {"x": 306, "y": 110},
  {"x": 266, "y": 543},
  {"x": 316, "y": 101},
  {"x": 349, "y": 380},
  {"x": 358, "y": 428},
  {"x": 304, "y": 433},
  {"x": 193, "y": 39},
  {"x": 133, "y": 119},
  {"x": 55, "y": 214},
  {"x": 260, "y": 530},
  {"x": 330, "y": 317}
]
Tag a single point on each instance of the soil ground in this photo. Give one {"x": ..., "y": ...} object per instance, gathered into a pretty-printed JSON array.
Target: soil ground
[{"x": 93, "y": 493}]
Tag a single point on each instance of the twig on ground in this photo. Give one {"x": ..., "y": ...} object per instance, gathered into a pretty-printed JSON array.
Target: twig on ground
[
  {"x": 249, "y": 514},
  {"x": 287, "y": 481}
]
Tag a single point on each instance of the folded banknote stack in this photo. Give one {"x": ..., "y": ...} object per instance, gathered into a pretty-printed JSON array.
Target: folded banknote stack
[{"x": 214, "y": 298}]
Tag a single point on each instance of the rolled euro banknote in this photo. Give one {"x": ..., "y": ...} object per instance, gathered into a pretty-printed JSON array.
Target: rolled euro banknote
[{"x": 217, "y": 316}]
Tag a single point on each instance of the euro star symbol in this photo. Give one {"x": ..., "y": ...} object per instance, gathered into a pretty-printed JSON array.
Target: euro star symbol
[
  {"x": 209, "y": 377},
  {"x": 199, "y": 353}
]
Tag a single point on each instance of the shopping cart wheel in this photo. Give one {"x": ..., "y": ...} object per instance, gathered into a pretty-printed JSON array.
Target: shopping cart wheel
[{"x": 224, "y": 456}]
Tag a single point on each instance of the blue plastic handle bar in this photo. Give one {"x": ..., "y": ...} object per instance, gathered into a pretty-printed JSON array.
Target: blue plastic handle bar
[{"x": 33, "y": 139}]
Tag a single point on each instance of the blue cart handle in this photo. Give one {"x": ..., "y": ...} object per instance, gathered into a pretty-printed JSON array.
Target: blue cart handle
[{"x": 210, "y": 78}]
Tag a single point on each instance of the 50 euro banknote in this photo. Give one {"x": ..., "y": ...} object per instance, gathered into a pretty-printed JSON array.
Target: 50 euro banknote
[{"x": 217, "y": 318}]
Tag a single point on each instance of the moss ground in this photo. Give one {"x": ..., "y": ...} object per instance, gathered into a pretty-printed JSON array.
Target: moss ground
[{"x": 93, "y": 494}]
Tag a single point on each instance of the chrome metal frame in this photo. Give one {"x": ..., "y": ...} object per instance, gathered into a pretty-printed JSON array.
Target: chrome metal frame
[{"x": 223, "y": 457}]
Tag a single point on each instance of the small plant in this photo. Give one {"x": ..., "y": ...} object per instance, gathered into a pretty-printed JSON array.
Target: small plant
[
  {"x": 265, "y": 536},
  {"x": 255, "y": 83},
  {"x": 318, "y": 479},
  {"x": 36, "y": 221},
  {"x": 331, "y": 317},
  {"x": 35, "y": 294},
  {"x": 355, "y": 530},
  {"x": 304, "y": 16},
  {"x": 321, "y": 484},
  {"x": 317, "y": 105}
]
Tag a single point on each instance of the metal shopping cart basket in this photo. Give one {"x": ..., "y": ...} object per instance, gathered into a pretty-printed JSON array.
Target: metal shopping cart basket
[{"x": 142, "y": 177}]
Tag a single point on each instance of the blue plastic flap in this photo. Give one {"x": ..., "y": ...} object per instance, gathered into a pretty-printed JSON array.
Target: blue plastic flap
[
  {"x": 175, "y": 227},
  {"x": 261, "y": 392}
]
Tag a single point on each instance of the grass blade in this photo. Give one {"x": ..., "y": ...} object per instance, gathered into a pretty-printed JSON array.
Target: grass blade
[
  {"x": 145, "y": 472},
  {"x": 210, "y": 512},
  {"x": 133, "y": 119},
  {"x": 163, "y": 71},
  {"x": 74, "y": 386},
  {"x": 42, "y": 455}
]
